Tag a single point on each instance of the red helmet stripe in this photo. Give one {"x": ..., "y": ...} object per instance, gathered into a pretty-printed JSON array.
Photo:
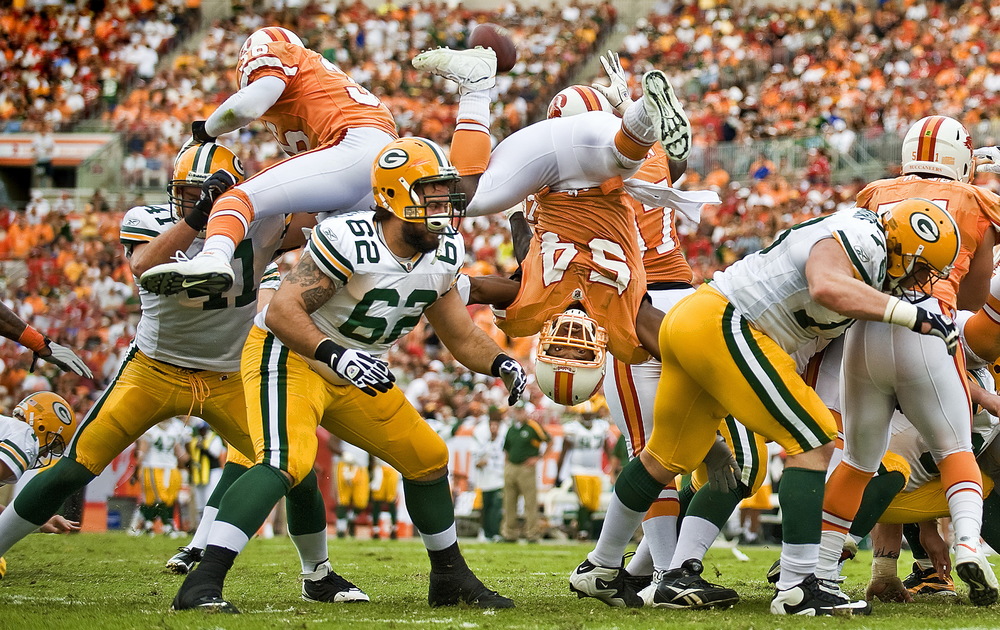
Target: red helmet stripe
[
  {"x": 563, "y": 387},
  {"x": 589, "y": 99},
  {"x": 927, "y": 141},
  {"x": 276, "y": 34}
]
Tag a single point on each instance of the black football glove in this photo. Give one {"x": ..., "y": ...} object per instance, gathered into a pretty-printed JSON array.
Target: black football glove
[
  {"x": 198, "y": 132},
  {"x": 369, "y": 374},
  {"x": 211, "y": 189},
  {"x": 512, "y": 374},
  {"x": 941, "y": 326}
]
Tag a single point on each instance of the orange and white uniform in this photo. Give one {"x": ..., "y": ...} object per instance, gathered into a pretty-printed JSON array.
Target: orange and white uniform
[{"x": 584, "y": 249}]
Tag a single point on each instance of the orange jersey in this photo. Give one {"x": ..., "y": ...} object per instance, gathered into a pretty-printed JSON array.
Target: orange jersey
[
  {"x": 320, "y": 101},
  {"x": 661, "y": 253},
  {"x": 584, "y": 249},
  {"x": 974, "y": 210}
]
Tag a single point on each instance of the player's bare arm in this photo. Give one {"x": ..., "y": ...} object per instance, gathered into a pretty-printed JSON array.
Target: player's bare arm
[
  {"x": 304, "y": 290},
  {"x": 294, "y": 235},
  {"x": 161, "y": 249},
  {"x": 832, "y": 284},
  {"x": 472, "y": 347},
  {"x": 975, "y": 286},
  {"x": 495, "y": 290}
]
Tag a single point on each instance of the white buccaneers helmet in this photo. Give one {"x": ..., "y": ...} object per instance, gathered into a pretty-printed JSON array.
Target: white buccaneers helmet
[
  {"x": 938, "y": 145},
  {"x": 263, "y": 36},
  {"x": 575, "y": 377},
  {"x": 578, "y": 99}
]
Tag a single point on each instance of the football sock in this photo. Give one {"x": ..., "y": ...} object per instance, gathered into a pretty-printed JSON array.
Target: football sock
[
  {"x": 684, "y": 496},
  {"x": 230, "y": 473},
  {"x": 216, "y": 564},
  {"x": 696, "y": 536},
  {"x": 200, "y": 538},
  {"x": 642, "y": 561},
  {"x": 45, "y": 493},
  {"x": 801, "y": 498},
  {"x": 167, "y": 515},
  {"x": 881, "y": 490},
  {"x": 13, "y": 528},
  {"x": 470, "y": 147},
  {"x": 845, "y": 487},
  {"x": 447, "y": 560},
  {"x": 660, "y": 526},
  {"x": 221, "y": 245},
  {"x": 432, "y": 511},
  {"x": 246, "y": 506},
  {"x": 963, "y": 487},
  {"x": 634, "y": 493},
  {"x": 307, "y": 522},
  {"x": 229, "y": 223}
]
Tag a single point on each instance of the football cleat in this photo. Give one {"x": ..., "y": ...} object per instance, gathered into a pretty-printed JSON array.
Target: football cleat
[
  {"x": 814, "y": 597},
  {"x": 324, "y": 585},
  {"x": 473, "y": 69},
  {"x": 774, "y": 573},
  {"x": 204, "y": 274},
  {"x": 684, "y": 588},
  {"x": 972, "y": 566},
  {"x": 184, "y": 560},
  {"x": 207, "y": 604},
  {"x": 607, "y": 584},
  {"x": 667, "y": 115},
  {"x": 449, "y": 589},
  {"x": 638, "y": 582},
  {"x": 929, "y": 582}
]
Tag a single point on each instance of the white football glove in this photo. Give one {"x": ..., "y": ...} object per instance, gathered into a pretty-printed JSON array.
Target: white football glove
[
  {"x": 369, "y": 374},
  {"x": 618, "y": 93},
  {"x": 721, "y": 466},
  {"x": 987, "y": 159},
  {"x": 66, "y": 360}
]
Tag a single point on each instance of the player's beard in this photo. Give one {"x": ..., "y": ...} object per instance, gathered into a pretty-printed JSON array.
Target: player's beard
[{"x": 416, "y": 235}]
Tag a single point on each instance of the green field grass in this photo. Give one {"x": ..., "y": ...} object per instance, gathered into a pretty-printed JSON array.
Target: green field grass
[{"x": 111, "y": 581}]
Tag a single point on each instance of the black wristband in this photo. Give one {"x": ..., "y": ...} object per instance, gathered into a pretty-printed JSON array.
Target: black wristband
[
  {"x": 497, "y": 362},
  {"x": 198, "y": 132},
  {"x": 197, "y": 217},
  {"x": 328, "y": 351}
]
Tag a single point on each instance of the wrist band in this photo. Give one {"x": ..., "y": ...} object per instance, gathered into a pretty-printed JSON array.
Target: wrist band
[
  {"x": 884, "y": 567},
  {"x": 32, "y": 339},
  {"x": 901, "y": 313},
  {"x": 326, "y": 350},
  {"x": 497, "y": 362}
]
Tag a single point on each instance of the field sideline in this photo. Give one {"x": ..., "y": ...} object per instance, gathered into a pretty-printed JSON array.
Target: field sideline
[{"x": 111, "y": 581}]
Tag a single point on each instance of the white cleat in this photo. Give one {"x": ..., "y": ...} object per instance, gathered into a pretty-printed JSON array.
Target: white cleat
[
  {"x": 325, "y": 585},
  {"x": 975, "y": 570},
  {"x": 473, "y": 69},
  {"x": 604, "y": 583},
  {"x": 203, "y": 274},
  {"x": 667, "y": 114}
]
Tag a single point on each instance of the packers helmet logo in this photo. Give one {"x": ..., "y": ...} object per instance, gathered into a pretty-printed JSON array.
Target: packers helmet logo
[
  {"x": 925, "y": 227},
  {"x": 393, "y": 158},
  {"x": 63, "y": 413},
  {"x": 238, "y": 164}
]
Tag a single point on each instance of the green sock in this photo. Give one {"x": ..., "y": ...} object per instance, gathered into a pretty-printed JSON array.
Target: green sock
[
  {"x": 429, "y": 504},
  {"x": 149, "y": 513},
  {"x": 879, "y": 493},
  {"x": 636, "y": 488},
  {"x": 684, "y": 496},
  {"x": 251, "y": 498},
  {"x": 230, "y": 473},
  {"x": 305, "y": 507},
  {"x": 714, "y": 507},
  {"x": 167, "y": 514},
  {"x": 44, "y": 495},
  {"x": 583, "y": 520},
  {"x": 801, "y": 497}
]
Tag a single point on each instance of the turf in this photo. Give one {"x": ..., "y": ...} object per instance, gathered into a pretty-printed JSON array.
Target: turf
[{"x": 112, "y": 581}]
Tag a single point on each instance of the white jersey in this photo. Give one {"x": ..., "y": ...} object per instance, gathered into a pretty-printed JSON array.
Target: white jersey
[
  {"x": 907, "y": 442},
  {"x": 162, "y": 440},
  {"x": 378, "y": 298},
  {"x": 271, "y": 278},
  {"x": 201, "y": 332},
  {"x": 587, "y": 455},
  {"x": 769, "y": 287},
  {"x": 489, "y": 451},
  {"x": 18, "y": 448}
]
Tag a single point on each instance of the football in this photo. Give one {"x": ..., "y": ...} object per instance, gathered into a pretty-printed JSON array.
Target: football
[{"x": 493, "y": 36}]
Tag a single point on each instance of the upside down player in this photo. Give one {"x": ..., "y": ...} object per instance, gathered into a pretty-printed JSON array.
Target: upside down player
[
  {"x": 34, "y": 435},
  {"x": 884, "y": 367},
  {"x": 185, "y": 358},
  {"x": 330, "y": 126},
  {"x": 313, "y": 358}
]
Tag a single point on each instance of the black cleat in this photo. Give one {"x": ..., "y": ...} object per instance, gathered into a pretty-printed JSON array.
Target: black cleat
[
  {"x": 200, "y": 593},
  {"x": 814, "y": 597},
  {"x": 684, "y": 588},
  {"x": 638, "y": 582},
  {"x": 184, "y": 560},
  {"x": 929, "y": 582},
  {"x": 450, "y": 589},
  {"x": 607, "y": 584},
  {"x": 324, "y": 585}
]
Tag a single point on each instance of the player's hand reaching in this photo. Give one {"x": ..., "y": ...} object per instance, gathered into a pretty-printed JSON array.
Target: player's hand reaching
[
  {"x": 888, "y": 589},
  {"x": 941, "y": 326},
  {"x": 618, "y": 93},
  {"x": 987, "y": 159},
  {"x": 63, "y": 358},
  {"x": 369, "y": 374},
  {"x": 198, "y": 132},
  {"x": 512, "y": 374},
  {"x": 721, "y": 466},
  {"x": 59, "y": 525}
]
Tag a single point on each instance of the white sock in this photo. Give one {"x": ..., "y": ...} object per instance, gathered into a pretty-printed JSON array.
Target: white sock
[
  {"x": 638, "y": 124},
  {"x": 797, "y": 563},
  {"x": 219, "y": 245},
  {"x": 662, "y": 534},
  {"x": 619, "y": 525},
  {"x": 831, "y": 547},
  {"x": 13, "y": 528},
  {"x": 697, "y": 535},
  {"x": 642, "y": 562},
  {"x": 966, "y": 510},
  {"x": 227, "y": 536},
  {"x": 440, "y": 540},
  {"x": 204, "y": 526},
  {"x": 474, "y": 107},
  {"x": 312, "y": 549}
]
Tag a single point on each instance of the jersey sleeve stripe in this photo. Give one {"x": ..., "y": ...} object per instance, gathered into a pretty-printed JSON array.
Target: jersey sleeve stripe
[
  {"x": 858, "y": 265},
  {"x": 15, "y": 452},
  {"x": 335, "y": 257},
  {"x": 325, "y": 260},
  {"x": 12, "y": 463},
  {"x": 267, "y": 62},
  {"x": 140, "y": 234}
]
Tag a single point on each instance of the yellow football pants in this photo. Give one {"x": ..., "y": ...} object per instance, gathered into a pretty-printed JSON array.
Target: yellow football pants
[
  {"x": 588, "y": 490},
  {"x": 352, "y": 486},
  {"x": 287, "y": 400},
  {"x": 715, "y": 363},
  {"x": 160, "y": 485},
  {"x": 923, "y": 504},
  {"x": 388, "y": 491},
  {"x": 146, "y": 391}
]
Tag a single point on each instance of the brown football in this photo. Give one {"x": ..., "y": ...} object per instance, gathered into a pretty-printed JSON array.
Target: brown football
[{"x": 496, "y": 37}]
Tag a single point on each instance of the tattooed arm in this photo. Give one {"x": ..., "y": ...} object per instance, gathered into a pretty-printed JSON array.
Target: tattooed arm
[{"x": 302, "y": 291}]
